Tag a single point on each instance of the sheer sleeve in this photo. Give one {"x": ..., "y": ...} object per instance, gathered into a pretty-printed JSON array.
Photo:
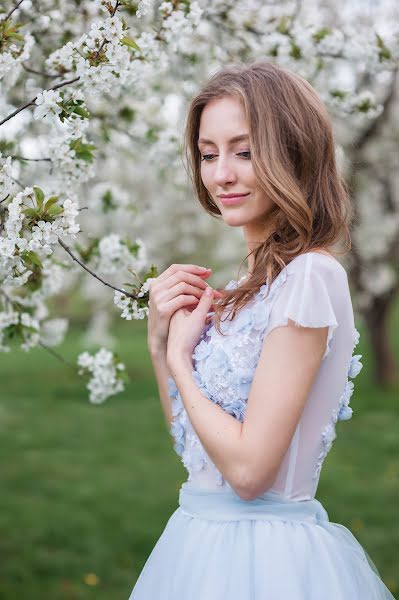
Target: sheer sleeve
[{"x": 306, "y": 296}]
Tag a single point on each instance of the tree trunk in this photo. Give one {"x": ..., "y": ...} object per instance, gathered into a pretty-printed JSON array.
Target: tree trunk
[{"x": 377, "y": 322}]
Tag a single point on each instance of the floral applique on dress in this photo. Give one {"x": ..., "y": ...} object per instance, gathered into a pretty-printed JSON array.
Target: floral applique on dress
[{"x": 344, "y": 412}]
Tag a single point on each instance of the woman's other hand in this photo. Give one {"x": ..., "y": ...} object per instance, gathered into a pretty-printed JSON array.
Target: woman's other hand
[{"x": 179, "y": 286}]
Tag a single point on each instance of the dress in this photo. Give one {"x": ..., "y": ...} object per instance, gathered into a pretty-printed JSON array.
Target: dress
[{"x": 281, "y": 545}]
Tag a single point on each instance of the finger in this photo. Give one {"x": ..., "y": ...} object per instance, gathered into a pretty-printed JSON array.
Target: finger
[
  {"x": 195, "y": 269},
  {"x": 205, "y": 302},
  {"x": 185, "y": 279},
  {"x": 181, "y": 301},
  {"x": 182, "y": 288}
]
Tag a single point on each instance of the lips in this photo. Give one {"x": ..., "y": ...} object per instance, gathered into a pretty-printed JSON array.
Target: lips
[{"x": 231, "y": 199}]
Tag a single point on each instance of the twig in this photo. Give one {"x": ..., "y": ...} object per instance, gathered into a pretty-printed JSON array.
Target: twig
[
  {"x": 32, "y": 102},
  {"x": 105, "y": 41},
  {"x": 35, "y": 72},
  {"x": 18, "y": 182},
  {"x": 12, "y": 10},
  {"x": 58, "y": 356},
  {"x": 86, "y": 268},
  {"x": 30, "y": 159}
]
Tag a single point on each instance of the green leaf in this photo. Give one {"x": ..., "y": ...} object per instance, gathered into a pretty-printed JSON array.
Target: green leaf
[
  {"x": 50, "y": 202},
  {"x": 321, "y": 34},
  {"x": 108, "y": 202},
  {"x": 384, "y": 52},
  {"x": 55, "y": 210},
  {"x": 152, "y": 273},
  {"x": 131, "y": 43},
  {"x": 32, "y": 258},
  {"x": 30, "y": 212},
  {"x": 82, "y": 112},
  {"x": 39, "y": 195}
]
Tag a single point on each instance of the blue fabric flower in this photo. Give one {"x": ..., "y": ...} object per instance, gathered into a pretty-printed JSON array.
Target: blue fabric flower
[
  {"x": 355, "y": 366},
  {"x": 172, "y": 389},
  {"x": 178, "y": 432},
  {"x": 345, "y": 413},
  {"x": 202, "y": 350},
  {"x": 236, "y": 408}
]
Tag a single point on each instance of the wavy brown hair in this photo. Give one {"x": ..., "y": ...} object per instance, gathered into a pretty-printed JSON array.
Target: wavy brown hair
[{"x": 293, "y": 158}]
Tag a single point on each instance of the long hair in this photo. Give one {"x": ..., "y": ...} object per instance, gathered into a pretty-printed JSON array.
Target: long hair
[{"x": 293, "y": 158}]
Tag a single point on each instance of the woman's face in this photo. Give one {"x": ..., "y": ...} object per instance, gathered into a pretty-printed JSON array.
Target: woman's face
[{"x": 226, "y": 167}]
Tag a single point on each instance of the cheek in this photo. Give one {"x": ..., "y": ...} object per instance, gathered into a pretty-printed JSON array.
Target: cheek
[
  {"x": 249, "y": 175},
  {"x": 206, "y": 176}
]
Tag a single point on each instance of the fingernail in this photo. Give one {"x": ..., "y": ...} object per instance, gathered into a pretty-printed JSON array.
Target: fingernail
[
  {"x": 208, "y": 291},
  {"x": 203, "y": 269}
]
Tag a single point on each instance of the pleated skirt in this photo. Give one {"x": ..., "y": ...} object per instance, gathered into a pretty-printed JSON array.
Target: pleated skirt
[{"x": 217, "y": 546}]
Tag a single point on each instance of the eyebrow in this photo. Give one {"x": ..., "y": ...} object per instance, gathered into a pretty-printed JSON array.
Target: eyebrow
[{"x": 236, "y": 138}]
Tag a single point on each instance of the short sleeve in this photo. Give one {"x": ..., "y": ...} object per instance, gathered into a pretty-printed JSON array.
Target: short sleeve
[{"x": 305, "y": 296}]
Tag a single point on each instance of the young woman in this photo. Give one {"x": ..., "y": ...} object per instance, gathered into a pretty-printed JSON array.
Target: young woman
[{"x": 253, "y": 379}]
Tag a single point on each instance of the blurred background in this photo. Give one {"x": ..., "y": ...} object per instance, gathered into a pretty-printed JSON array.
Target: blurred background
[{"x": 87, "y": 489}]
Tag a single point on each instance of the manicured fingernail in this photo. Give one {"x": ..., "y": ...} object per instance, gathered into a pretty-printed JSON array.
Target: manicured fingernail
[{"x": 202, "y": 268}]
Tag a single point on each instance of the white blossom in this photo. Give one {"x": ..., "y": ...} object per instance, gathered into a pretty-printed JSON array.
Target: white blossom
[
  {"x": 143, "y": 8},
  {"x": 106, "y": 374},
  {"x": 47, "y": 104},
  {"x": 52, "y": 331}
]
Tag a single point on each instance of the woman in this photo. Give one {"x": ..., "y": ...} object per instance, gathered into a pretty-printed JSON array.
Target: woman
[{"x": 256, "y": 394}]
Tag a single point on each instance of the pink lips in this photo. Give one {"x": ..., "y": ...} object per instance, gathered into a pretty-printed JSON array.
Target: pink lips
[{"x": 232, "y": 199}]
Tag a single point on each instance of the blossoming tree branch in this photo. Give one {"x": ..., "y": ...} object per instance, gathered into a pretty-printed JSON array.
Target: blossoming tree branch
[{"x": 92, "y": 101}]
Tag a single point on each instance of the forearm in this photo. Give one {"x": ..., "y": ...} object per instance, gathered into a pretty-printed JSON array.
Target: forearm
[
  {"x": 161, "y": 370},
  {"x": 219, "y": 432}
]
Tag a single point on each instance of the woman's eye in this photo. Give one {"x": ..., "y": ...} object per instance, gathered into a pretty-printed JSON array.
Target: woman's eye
[
  {"x": 207, "y": 157},
  {"x": 245, "y": 154}
]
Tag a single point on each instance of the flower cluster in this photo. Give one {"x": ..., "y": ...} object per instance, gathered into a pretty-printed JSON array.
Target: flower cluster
[
  {"x": 16, "y": 49},
  {"x": 20, "y": 325},
  {"x": 131, "y": 308},
  {"x": 47, "y": 104},
  {"x": 116, "y": 255},
  {"x": 180, "y": 25},
  {"x": 107, "y": 374},
  {"x": 143, "y": 8},
  {"x": 33, "y": 225},
  {"x": 52, "y": 331},
  {"x": 6, "y": 182},
  {"x": 99, "y": 58}
]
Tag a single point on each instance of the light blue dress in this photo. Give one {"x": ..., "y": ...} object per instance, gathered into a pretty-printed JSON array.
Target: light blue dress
[{"x": 280, "y": 546}]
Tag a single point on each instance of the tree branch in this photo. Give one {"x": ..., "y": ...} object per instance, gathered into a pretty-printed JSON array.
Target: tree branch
[
  {"x": 32, "y": 102},
  {"x": 30, "y": 159},
  {"x": 18, "y": 4},
  {"x": 86, "y": 268},
  {"x": 58, "y": 356},
  {"x": 35, "y": 72}
]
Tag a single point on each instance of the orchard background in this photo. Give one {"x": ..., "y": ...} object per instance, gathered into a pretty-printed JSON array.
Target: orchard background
[{"x": 95, "y": 201}]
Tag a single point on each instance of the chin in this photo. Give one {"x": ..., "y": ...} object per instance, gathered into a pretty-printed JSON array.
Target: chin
[
  {"x": 235, "y": 221},
  {"x": 235, "y": 218}
]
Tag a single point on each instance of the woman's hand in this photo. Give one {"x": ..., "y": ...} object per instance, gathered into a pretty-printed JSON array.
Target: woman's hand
[
  {"x": 185, "y": 328},
  {"x": 177, "y": 287}
]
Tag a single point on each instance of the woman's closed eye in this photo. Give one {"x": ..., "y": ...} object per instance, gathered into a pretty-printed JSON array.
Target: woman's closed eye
[{"x": 246, "y": 154}]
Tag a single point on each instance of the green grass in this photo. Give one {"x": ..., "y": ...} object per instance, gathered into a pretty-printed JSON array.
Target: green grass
[{"x": 88, "y": 489}]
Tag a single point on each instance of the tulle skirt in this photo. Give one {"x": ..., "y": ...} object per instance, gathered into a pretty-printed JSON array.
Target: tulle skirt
[{"x": 216, "y": 546}]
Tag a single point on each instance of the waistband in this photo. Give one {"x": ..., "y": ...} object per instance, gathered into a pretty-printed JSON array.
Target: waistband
[{"x": 226, "y": 505}]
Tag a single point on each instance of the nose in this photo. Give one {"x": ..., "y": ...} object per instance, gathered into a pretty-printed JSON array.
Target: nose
[{"x": 224, "y": 172}]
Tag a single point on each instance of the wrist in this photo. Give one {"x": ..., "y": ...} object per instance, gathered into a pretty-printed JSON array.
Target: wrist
[
  {"x": 179, "y": 363},
  {"x": 156, "y": 349}
]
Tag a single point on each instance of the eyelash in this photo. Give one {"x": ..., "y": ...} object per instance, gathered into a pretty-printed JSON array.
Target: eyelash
[{"x": 203, "y": 157}]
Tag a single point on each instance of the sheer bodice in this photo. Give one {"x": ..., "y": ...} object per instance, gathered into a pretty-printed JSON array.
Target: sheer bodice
[{"x": 312, "y": 291}]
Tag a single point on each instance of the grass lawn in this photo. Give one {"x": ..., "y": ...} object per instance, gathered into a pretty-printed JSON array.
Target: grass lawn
[{"x": 87, "y": 490}]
